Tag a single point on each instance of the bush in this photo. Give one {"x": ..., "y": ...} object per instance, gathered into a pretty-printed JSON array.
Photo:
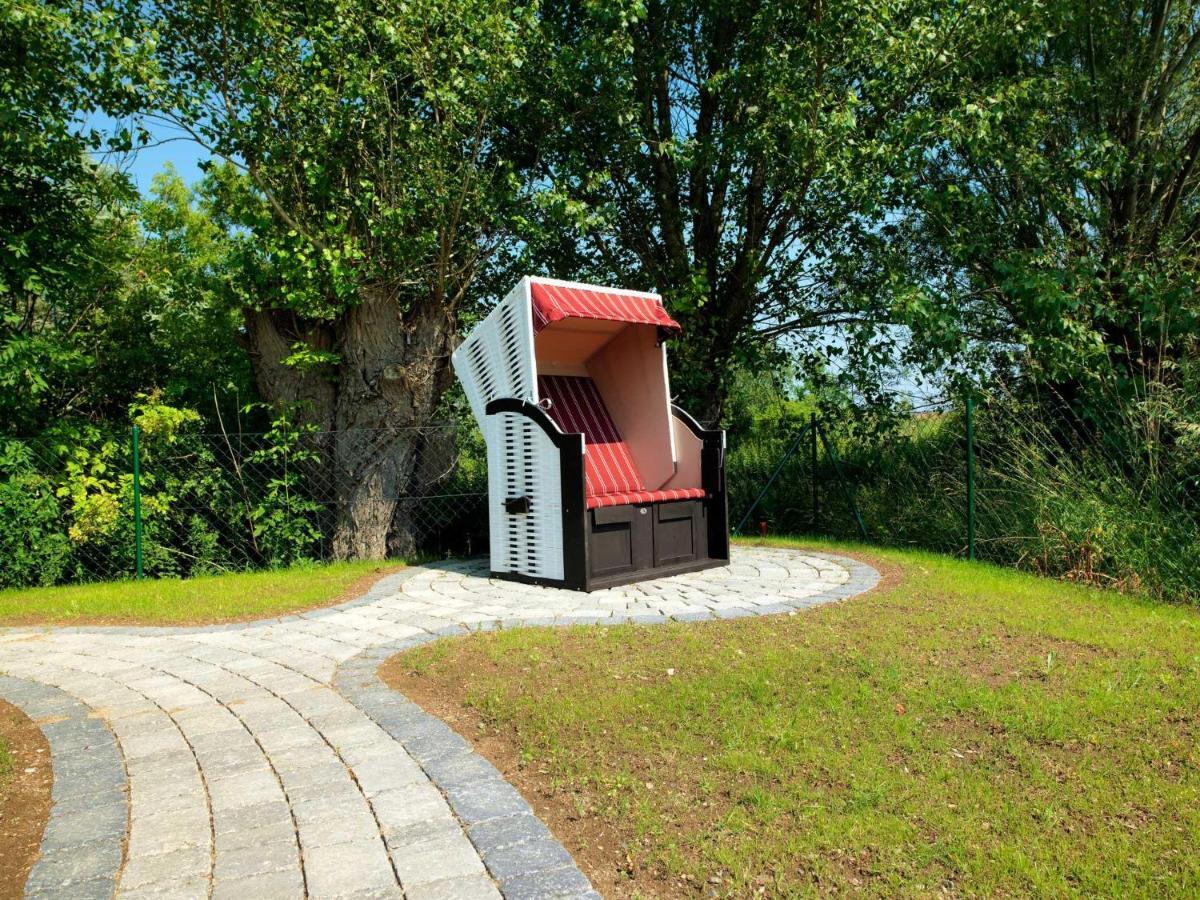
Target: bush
[
  {"x": 1096, "y": 504},
  {"x": 34, "y": 550}
]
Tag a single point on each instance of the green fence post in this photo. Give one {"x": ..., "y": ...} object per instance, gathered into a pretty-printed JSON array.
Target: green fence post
[
  {"x": 770, "y": 481},
  {"x": 970, "y": 477},
  {"x": 812, "y": 463},
  {"x": 137, "y": 502}
]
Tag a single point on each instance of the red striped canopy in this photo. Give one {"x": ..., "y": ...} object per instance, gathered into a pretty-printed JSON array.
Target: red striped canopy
[{"x": 553, "y": 302}]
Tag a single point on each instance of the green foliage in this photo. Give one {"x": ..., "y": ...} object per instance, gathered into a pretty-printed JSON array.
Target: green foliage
[
  {"x": 734, "y": 155},
  {"x": 1113, "y": 513},
  {"x": 33, "y": 549},
  {"x": 284, "y": 518},
  {"x": 154, "y": 314},
  {"x": 61, "y": 216},
  {"x": 1050, "y": 215},
  {"x": 980, "y": 192},
  {"x": 210, "y": 503},
  {"x": 366, "y": 133}
]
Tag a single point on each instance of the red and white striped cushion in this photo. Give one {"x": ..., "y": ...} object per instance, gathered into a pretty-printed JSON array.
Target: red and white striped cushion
[
  {"x": 644, "y": 497},
  {"x": 576, "y": 406}
]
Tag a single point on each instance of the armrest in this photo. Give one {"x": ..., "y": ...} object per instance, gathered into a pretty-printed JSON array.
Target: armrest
[
  {"x": 694, "y": 427},
  {"x": 712, "y": 476},
  {"x": 561, "y": 439},
  {"x": 712, "y": 465}
]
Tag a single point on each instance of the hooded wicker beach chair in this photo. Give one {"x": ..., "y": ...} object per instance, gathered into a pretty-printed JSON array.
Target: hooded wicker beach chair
[{"x": 594, "y": 477}]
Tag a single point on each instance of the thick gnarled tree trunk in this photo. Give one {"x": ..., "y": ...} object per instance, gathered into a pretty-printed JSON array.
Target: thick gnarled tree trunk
[{"x": 393, "y": 371}]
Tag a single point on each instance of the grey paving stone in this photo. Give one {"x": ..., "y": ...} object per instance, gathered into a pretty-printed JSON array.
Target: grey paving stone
[
  {"x": 164, "y": 869},
  {"x": 567, "y": 881},
  {"x": 489, "y": 797},
  {"x": 499, "y": 834},
  {"x": 178, "y": 889},
  {"x": 258, "y": 836},
  {"x": 343, "y": 803},
  {"x": 92, "y": 822},
  {"x": 467, "y": 887},
  {"x": 447, "y": 854},
  {"x": 94, "y": 860},
  {"x": 90, "y": 889},
  {"x": 244, "y": 789},
  {"x": 244, "y": 818},
  {"x": 359, "y": 826},
  {"x": 297, "y": 699},
  {"x": 74, "y": 800},
  {"x": 453, "y": 769},
  {"x": 523, "y": 859},
  {"x": 285, "y": 884},
  {"x": 257, "y": 859},
  {"x": 692, "y": 616},
  {"x": 336, "y": 870}
]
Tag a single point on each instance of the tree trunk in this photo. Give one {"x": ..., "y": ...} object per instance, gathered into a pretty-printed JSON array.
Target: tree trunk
[
  {"x": 414, "y": 520},
  {"x": 394, "y": 369}
]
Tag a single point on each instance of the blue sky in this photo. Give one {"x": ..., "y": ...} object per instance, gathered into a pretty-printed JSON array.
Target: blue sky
[{"x": 168, "y": 145}]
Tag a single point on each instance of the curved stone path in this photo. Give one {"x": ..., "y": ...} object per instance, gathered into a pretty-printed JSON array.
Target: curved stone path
[{"x": 267, "y": 760}]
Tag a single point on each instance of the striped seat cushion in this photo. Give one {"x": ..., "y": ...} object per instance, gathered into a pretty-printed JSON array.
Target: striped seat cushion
[
  {"x": 576, "y": 406},
  {"x": 612, "y": 478},
  {"x": 645, "y": 497}
]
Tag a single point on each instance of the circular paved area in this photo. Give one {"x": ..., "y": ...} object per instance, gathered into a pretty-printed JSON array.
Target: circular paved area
[{"x": 267, "y": 760}]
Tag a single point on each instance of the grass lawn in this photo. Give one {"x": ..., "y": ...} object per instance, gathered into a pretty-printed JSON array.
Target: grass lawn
[
  {"x": 961, "y": 729},
  {"x": 215, "y": 598}
]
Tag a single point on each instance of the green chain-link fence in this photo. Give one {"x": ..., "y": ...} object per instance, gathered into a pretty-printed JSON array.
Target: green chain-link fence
[
  {"x": 1102, "y": 508},
  {"x": 1103, "y": 503},
  {"x": 180, "y": 504}
]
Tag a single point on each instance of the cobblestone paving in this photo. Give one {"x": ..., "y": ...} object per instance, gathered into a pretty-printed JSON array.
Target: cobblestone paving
[{"x": 267, "y": 760}]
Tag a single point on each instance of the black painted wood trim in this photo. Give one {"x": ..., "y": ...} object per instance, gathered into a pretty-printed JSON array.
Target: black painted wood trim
[
  {"x": 574, "y": 516},
  {"x": 693, "y": 426},
  {"x": 532, "y": 411}
]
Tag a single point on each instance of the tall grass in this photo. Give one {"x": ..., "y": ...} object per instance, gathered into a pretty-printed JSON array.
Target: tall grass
[{"x": 1110, "y": 502}]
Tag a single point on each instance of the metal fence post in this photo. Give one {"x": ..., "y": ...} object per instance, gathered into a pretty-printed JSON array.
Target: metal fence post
[
  {"x": 812, "y": 462},
  {"x": 137, "y": 502},
  {"x": 970, "y": 477},
  {"x": 770, "y": 481}
]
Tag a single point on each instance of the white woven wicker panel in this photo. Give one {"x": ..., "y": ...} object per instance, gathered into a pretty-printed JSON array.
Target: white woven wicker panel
[
  {"x": 523, "y": 462},
  {"x": 496, "y": 360}
]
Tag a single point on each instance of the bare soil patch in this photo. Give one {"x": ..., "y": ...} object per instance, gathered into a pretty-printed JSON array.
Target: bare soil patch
[{"x": 25, "y": 780}]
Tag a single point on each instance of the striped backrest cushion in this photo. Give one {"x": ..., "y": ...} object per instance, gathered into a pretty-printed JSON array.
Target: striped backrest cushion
[{"x": 576, "y": 406}]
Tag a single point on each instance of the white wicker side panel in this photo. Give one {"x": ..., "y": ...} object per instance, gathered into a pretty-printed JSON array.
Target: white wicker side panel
[
  {"x": 496, "y": 360},
  {"x": 523, "y": 462}
]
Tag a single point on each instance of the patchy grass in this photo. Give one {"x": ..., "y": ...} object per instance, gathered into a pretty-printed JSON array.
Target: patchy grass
[
  {"x": 215, "y": 598},
  {"x": 962, "y": 729}
]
